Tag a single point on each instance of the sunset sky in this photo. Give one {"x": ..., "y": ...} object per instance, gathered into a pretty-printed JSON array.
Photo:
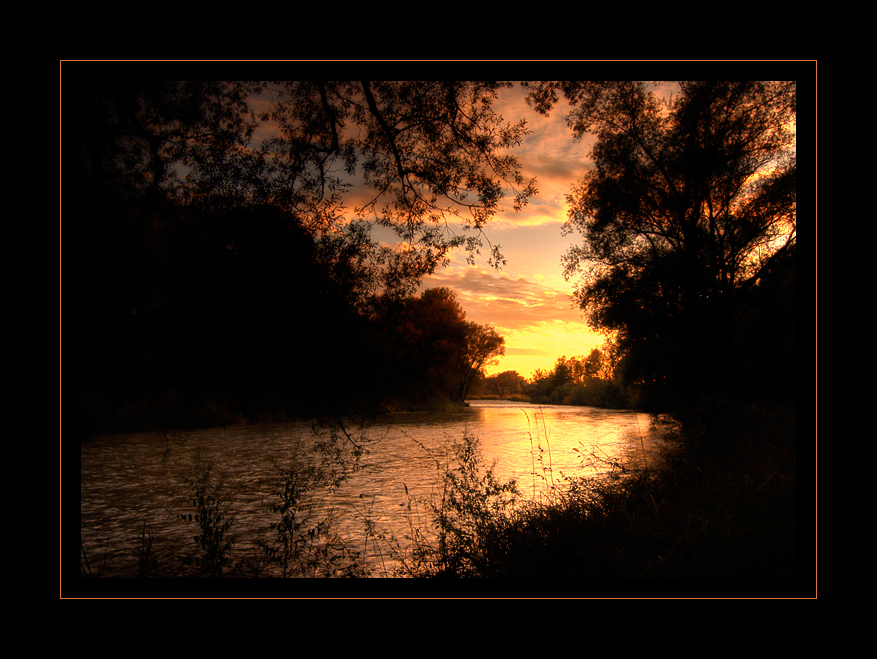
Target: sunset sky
[{"x": 528, "y": 301}]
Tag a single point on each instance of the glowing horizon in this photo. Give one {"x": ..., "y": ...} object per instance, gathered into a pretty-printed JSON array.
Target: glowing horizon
[
  {"x": 529, "y": 302},
  {"x": 536, "y": 318}
]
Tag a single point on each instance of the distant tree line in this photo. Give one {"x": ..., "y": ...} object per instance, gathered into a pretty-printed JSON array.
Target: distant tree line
[
  {"x": 580, "y": 381},
  {"x": 594, "y": 380}
]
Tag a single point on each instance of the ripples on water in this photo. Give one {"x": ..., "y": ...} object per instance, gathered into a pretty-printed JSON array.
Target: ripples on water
[{"x": 129, "y": 480}]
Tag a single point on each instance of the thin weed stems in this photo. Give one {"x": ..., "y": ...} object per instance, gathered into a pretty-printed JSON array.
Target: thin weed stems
[
  {"x": 147, "y": 557},
  {"x": 85, "y": 564},
  {"x": 641, "y": 441},
  {"x": 549, "y": 479}
]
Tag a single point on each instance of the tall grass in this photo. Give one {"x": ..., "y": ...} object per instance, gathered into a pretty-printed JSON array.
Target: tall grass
[
  {"x": 537, "y": 453},
  {"x": 302, "y": 543}
]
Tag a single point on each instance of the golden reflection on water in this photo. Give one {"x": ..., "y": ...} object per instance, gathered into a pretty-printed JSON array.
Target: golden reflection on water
[
  {"x": 126, "y": 481},
  {"x": 546, "y": 444}
]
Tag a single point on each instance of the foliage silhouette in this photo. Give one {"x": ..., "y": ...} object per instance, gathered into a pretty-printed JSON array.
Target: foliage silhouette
[
  {"x": 474, "y": 505},
  {"x": 690, "y": 206},
  {"x": 213, "y": 520},
  {"x": 226, "y": 275},
  {"x": 503, "y": 385},
  {"x": 432, "y": 353},
  {"x": 587, "y": 381}
]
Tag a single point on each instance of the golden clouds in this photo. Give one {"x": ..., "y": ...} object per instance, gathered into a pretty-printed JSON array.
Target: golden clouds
[{"x": 537, "y": 320}]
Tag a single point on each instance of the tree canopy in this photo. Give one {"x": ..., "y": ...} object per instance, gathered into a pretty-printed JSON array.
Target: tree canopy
[
  {"x": 227, "y": 229},
  {"x": 419, "y": 155},
  {"x": 589, "y": 381},
  {"x": 434, "y": 354},
  {"x": 689, "y": 206}
]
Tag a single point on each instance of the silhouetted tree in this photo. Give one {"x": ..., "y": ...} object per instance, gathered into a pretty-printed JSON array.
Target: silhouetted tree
[
  {"x": 132, "y": 231},
  {"x": 432, "y": 353},
  {"x": 482, "y": 346},
  {"x": 578, "y": 381},
  {"x": 601, "y": 362},
  {"x": 221, "y": 266},
  {"x": 689, "y": 204},
  {"x": 426, "y": 152},
  {"x": 440, "y": 326}
]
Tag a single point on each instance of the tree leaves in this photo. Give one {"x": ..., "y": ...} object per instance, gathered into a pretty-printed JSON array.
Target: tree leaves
[{"x": 687, "y": 201}]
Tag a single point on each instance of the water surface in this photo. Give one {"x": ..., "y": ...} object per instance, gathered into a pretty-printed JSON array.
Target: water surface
[{"x": 129, "y": 480}]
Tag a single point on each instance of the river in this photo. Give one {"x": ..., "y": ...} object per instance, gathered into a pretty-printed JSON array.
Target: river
[{"x": 128, "y": 482}]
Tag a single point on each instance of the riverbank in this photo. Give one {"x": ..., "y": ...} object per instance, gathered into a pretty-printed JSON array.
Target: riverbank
[{"x": 724, "y": 506}]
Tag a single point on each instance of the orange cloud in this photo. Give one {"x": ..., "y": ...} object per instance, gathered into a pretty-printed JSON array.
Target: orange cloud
[{"x": 538, "y": 321}]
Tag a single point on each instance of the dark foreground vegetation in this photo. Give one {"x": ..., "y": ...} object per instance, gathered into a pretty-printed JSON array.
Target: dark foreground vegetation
[{"x": 724, "y": 505}]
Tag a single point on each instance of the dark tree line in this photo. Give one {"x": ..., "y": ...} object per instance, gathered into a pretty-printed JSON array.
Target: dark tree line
[
  {"x": 220, "y": 272},
  {"x": 590, "y": 381},
  {"x": 688, "y": 219}
]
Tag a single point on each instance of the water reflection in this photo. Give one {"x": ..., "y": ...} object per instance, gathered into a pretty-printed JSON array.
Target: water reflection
[{"x": 132, "y": 479}]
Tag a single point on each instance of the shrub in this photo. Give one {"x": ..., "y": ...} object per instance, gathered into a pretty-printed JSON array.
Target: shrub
[
  {"x": 211, "y": 516},
  {"x": 473, "y": 507}
]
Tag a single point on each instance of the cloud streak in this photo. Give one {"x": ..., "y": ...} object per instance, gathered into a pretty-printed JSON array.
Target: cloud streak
[
  {"x": 530, "y": 303},
  {"x": 538, "y": 321},
  {"x": 548, "y": 153}
]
